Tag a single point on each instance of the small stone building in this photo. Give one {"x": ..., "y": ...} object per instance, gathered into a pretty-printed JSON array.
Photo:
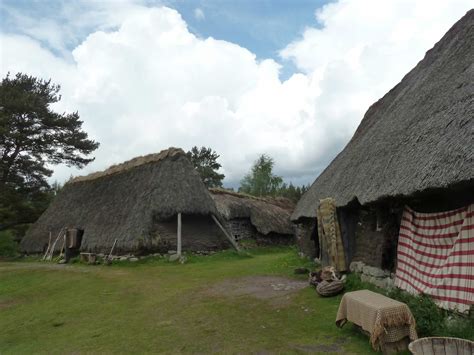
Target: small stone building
[{"x": 265, "y": 220}]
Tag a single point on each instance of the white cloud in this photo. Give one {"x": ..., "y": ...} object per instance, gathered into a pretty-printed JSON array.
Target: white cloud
[
  {"x": 199, "y": 14},
  {"x": 150, "y": 83}
]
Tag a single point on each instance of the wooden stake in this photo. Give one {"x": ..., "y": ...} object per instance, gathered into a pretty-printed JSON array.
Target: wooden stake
[
  {"x": 178, "y": 251},
  {"x": 62, "y": 247},
  {"x": 49, "y": 246},
  {"x": 111, "y": 250},
  {"x": 51, "y": 251},
  {"x": 232, "y": 240}
]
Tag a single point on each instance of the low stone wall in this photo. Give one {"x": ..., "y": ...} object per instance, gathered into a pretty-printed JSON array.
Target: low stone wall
[{"x": 374, "y": 275}]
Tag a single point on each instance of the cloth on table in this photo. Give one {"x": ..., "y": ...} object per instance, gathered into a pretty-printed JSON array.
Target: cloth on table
[
  {"x": 385, "y": 319},
  {"x": 330, "y": 240}
]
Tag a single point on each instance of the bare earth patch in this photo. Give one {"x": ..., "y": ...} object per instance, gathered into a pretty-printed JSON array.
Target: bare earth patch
[
  {"x": 4, "y": 304},
  {"x": 335, "y": 347},
  {"x": 277, "y": 290}
]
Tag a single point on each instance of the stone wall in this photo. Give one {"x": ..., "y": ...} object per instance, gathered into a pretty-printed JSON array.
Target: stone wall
[
  {"x": 306, "y": 237},
  {"x": 374, "y": 275},
  {"x": 197, "y": 233},
  {"x": 274, "y": 239},
  {"x": 369, "y": 240},
  {"x": 376, "y": 237},
  {"x": 241, "y": 228}
]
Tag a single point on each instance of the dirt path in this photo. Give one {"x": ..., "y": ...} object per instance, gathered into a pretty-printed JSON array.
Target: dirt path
[
  {"x": 41, "y": 266},
  {"x": 277, "y": 290}
]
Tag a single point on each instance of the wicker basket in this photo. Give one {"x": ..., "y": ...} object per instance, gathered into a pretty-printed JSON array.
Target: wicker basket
[
  {"x": 441, "y": 346},
  {"x": 329, "y": 288}
]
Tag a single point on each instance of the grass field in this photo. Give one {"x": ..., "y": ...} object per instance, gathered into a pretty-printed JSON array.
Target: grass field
[{"x": 211, "y": 304}]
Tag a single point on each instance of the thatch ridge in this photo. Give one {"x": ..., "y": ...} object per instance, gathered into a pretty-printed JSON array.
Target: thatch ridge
[
  {"x": 124, "y": 204},
  {"x": 418, "y": 137},
  {"x": 267, "y": 214},
  {"x": 130, "y": 164}
]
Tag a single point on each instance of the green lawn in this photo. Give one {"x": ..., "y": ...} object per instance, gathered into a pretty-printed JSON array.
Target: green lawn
[{"x": 156, "y": 306}]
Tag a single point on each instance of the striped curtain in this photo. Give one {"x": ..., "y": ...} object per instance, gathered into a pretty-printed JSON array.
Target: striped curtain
[{"x": 436, "y": 256}]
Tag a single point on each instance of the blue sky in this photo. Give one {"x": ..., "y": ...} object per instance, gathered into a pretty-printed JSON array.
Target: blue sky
[
  {"x": 262, "y": 26},
  {"x": 291, "y": 79}
]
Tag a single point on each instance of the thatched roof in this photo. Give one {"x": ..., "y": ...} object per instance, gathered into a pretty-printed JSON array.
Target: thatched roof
[
  {"x": 418, "y": 137},
  {"x": 122, "y": 201},
  {"x": 267, "y": 215}
]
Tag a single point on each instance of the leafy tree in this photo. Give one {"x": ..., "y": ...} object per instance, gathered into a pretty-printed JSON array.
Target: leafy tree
[
  {"x": 205, "y": 162},
  {"x": 260, "y": 181},
  {"x": 33, "y": 136}
]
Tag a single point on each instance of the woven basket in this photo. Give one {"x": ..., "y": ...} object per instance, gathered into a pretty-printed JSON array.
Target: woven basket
[
  {"x": 330, "y": 288},
  {"x": 441, "y": 346}
]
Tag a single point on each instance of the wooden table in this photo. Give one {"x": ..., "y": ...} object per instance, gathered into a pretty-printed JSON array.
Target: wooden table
[{"x": 387, "y": 321}]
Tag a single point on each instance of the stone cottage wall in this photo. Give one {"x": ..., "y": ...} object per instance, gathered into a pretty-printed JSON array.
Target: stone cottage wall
[
  {"x": 376, "y": 237},
  {"x": 369, "y": 240},
  {"x": 241, "y": 228},
  {"x": 374, "y": 275},
  {"x": 304, "y": 235}
]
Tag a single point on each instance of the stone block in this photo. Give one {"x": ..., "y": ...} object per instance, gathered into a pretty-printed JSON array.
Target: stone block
[
  {"x": 356, "y": 266},
  {"x": 365, "y": 278},
  {"x": 389, "y": 283},
  {"x": 373, "y": 271},
  {"x": 378, "y": 282},
  {"x": 174, "y": 257}
]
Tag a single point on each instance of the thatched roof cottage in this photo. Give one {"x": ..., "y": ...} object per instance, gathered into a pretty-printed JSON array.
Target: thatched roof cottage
[
  {"x": 263, "y": 219},
  {"x": 136, "y": 203},
  {"x": 413, "y": 147}
]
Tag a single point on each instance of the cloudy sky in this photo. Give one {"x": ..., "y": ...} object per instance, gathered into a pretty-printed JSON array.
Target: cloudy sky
[{"x": 288, "y": 78}]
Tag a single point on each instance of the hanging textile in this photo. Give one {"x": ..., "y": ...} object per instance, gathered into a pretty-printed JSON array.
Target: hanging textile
[
  {"x": 330, "y": 241},
  {"x": 436, "y": 256}
]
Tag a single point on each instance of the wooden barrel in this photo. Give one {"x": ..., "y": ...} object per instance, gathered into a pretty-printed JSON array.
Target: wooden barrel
[{"x": 441, "y": 346}]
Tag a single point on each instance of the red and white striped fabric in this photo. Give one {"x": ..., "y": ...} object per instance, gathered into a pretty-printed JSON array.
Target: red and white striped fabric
[{"x": 436, "y": 256}]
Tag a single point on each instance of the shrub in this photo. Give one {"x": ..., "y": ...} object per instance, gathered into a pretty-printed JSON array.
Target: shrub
[
  {"x": 430, "y": 319},
  {"x": 8, "y": 246}
]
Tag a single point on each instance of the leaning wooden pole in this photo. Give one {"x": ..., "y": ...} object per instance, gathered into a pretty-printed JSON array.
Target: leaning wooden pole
[
  {"x": 232, "y": 240},
  {"x": 178, "y": 247}
]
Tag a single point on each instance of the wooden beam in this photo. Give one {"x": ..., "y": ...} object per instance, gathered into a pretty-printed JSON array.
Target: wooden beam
[
  {"x": 112, "y": 250},
  {"x": 178, "y": 251},
  {"x": 232, "y": 240}
]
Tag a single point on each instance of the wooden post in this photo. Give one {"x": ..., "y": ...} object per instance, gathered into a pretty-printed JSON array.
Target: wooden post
[
  {"x": 49, "y": 246},
  {"x": 112, "y": 250},
  {"x": 178, "y": 251},
  {"x": 232, "y": 240}
]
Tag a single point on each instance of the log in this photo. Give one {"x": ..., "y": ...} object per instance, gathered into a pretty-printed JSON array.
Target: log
[
  {"x": 51, "y": 251},
  {"x": 63, "y": 246},
  {"x": 112, "y": 250},
  {"x": 49, "y": 246},
  {"x": 178, "y": 247}
]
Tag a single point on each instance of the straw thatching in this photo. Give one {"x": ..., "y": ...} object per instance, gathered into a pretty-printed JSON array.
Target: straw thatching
[
  {"x": 268, "y": 215},
  {"x": 126, "y": 202},
  {"x": 418, "y": 137}
]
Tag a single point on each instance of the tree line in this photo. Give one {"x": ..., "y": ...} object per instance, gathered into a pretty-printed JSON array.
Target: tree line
[{"x": 259, "y": 181}]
